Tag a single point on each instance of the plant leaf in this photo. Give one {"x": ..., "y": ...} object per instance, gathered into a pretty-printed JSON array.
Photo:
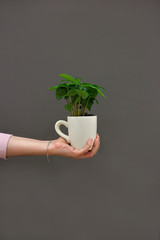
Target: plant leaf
[
  {"x": 82, "y": 93},
  {"x": 102, "y": 88},
  {"x": 52, "y": 88},
  {"x": 92, "y": 92},
  {"x": 84, "y": 102},
  {"x": 60, "y": 92},
  {"x": 68, "y": 107},
  {"x": 69, "y": 78},
  {"x": 96, "y": 101},
  {"x": 75, "y": 100},
  {"x": 90, "y": 103},
  {"x": 99, "y": 91},
  {"x": 66, "y": 76},
  {"x": 71, "y": 93},
  {"x": 95, "y": 85},
  {"x": 78, "y": 80}
]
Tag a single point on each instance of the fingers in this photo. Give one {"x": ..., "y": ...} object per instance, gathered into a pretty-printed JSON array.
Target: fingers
[
  {"x": 94, "y": 148},
  {"x": 79, "y": 153},
  {"x": 87, "y": 147},
  {"x": 85, "y": 153}
]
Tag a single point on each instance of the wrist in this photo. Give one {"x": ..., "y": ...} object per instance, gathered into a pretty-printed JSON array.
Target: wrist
[{"x": 48, "y": 147}]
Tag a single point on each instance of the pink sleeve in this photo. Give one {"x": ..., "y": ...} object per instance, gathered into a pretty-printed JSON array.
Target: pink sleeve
[{"x": 4, "y": 138}]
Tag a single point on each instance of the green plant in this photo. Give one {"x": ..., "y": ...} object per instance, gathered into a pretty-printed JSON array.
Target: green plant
[{"x": 80, "y": 96}]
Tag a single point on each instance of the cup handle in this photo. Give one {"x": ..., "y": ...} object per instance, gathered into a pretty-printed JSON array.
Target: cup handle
[{"x": 57, "y": 128}]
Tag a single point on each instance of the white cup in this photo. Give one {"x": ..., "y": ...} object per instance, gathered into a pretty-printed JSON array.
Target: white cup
[{"x": 80, "y": 129}]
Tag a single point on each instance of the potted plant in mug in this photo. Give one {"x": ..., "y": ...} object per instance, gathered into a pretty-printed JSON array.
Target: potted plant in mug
[{"x": 79, "y": 97}]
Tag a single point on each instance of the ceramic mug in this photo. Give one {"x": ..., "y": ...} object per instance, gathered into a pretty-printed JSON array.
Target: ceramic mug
[{"x": 80, "y": 129}]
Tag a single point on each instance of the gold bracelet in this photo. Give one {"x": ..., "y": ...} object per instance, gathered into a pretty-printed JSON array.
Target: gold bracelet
[{"x": 47, "y": 150}]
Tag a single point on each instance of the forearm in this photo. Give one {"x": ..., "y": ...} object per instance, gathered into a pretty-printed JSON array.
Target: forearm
[{"x": 19, "y": 146}]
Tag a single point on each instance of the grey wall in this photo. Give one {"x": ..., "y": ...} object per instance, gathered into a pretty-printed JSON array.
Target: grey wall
[{"x": 116, "y": 194}]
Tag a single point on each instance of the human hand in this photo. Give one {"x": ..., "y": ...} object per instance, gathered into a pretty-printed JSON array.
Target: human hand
[{"x": 62, "y": 148}]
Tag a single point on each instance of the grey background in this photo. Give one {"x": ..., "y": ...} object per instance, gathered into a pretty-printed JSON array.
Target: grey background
[{"x": 116, "y": 194}]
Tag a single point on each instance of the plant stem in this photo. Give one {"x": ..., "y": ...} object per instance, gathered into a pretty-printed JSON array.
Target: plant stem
[
  {"x": 67, "y": 101},
  {"x": 86, "y": 106},
  {"x": 82, "y": 110},
  {"x": 73, "y": 111},
  {"x": 71, "y": 106},
  {"x": 76, "y": 112},
  {"x": 79, "y": 106}
]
